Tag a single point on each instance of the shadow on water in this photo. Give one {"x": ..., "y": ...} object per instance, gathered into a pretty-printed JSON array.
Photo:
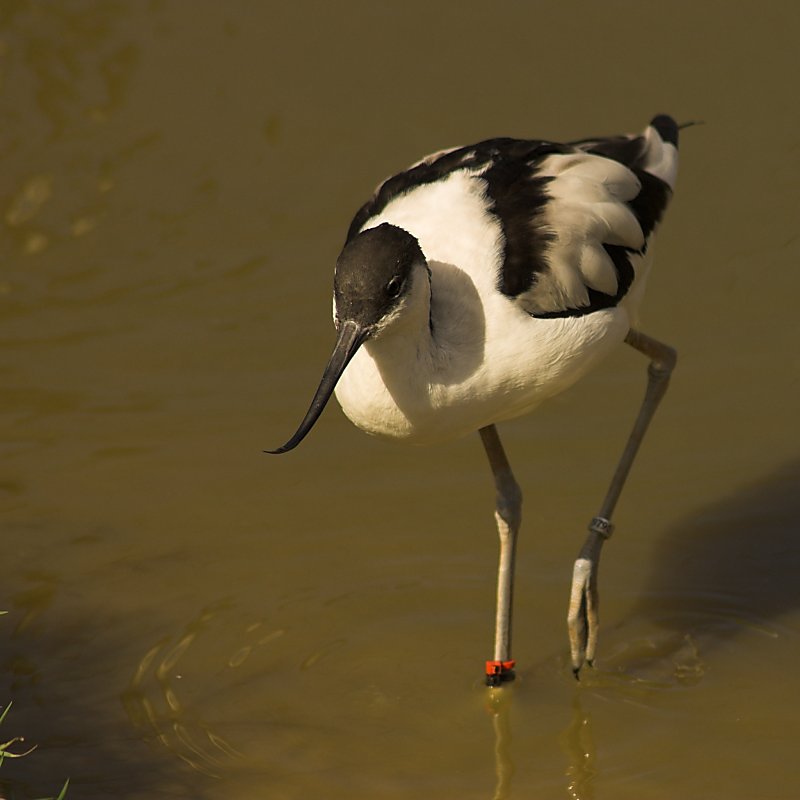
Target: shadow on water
[
  {"x": 57, "y": 671},
  {"x": 728, "y": 567}
]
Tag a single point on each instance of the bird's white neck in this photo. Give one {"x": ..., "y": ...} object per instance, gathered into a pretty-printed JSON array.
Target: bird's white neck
[{"x": 432, "y": 345}]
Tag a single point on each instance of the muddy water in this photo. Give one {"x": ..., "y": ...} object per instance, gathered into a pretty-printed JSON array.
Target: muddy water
[{"x": 191, "y": 618}]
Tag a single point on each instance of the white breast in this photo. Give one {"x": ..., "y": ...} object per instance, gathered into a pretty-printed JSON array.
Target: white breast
[{"x": 486, "y": 359}]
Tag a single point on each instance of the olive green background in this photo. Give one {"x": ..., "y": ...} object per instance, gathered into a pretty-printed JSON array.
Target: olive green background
[{"x": 189, "y": 617}]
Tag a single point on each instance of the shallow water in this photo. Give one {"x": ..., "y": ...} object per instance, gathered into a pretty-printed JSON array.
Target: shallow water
[{"x": 191, "y": 618}]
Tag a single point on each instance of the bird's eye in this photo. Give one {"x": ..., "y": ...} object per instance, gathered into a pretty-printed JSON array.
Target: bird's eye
[{"x": 394, "y": 286}]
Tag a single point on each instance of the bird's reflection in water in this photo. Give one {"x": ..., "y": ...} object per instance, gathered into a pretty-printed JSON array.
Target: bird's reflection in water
[
  {"x": 499, "y": 706},
  {"x": 576, "y": 741},
  {"x": 578, "y": 745}
]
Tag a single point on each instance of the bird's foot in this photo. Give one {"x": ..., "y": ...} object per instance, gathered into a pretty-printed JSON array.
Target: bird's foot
[
  {"x": 582, "y": 617},
  {"x": 499, "y": 672}
]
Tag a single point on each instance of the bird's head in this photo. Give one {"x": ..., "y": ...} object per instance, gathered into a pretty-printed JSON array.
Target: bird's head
[{"x": 372, "y": 287}]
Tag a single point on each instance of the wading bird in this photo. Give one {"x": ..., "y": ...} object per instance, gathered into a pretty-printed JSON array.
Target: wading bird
[{"x": 481, "y": 281}]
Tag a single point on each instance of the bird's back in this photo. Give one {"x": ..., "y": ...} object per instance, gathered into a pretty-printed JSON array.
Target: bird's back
[
  {"x": 573, "y": 220},
  {"x": 537, "y": 254}
]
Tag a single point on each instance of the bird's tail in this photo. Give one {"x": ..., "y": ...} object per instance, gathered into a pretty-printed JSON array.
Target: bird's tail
[{"x": 660, "y": 157}]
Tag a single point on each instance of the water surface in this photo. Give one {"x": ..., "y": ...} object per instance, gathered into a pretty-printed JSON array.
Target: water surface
[{"x": 191, "y": 618}]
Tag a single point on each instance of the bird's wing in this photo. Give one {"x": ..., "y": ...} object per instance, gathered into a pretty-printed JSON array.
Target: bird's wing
[
  {"x": 593, "y": 211},
  {"x": 575, "y": 218}
]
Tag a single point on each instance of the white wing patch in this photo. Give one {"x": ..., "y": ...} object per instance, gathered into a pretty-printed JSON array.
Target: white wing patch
[{"x": 587, "y": 209}]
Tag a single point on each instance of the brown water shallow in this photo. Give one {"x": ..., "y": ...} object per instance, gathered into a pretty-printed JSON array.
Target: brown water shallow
[{"x": 190, "y": 618}]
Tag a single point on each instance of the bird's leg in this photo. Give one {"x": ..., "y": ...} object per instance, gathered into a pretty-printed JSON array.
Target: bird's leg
[
  {"x": 508, "y": 514},
  {"x": 582, "y": 617}
]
